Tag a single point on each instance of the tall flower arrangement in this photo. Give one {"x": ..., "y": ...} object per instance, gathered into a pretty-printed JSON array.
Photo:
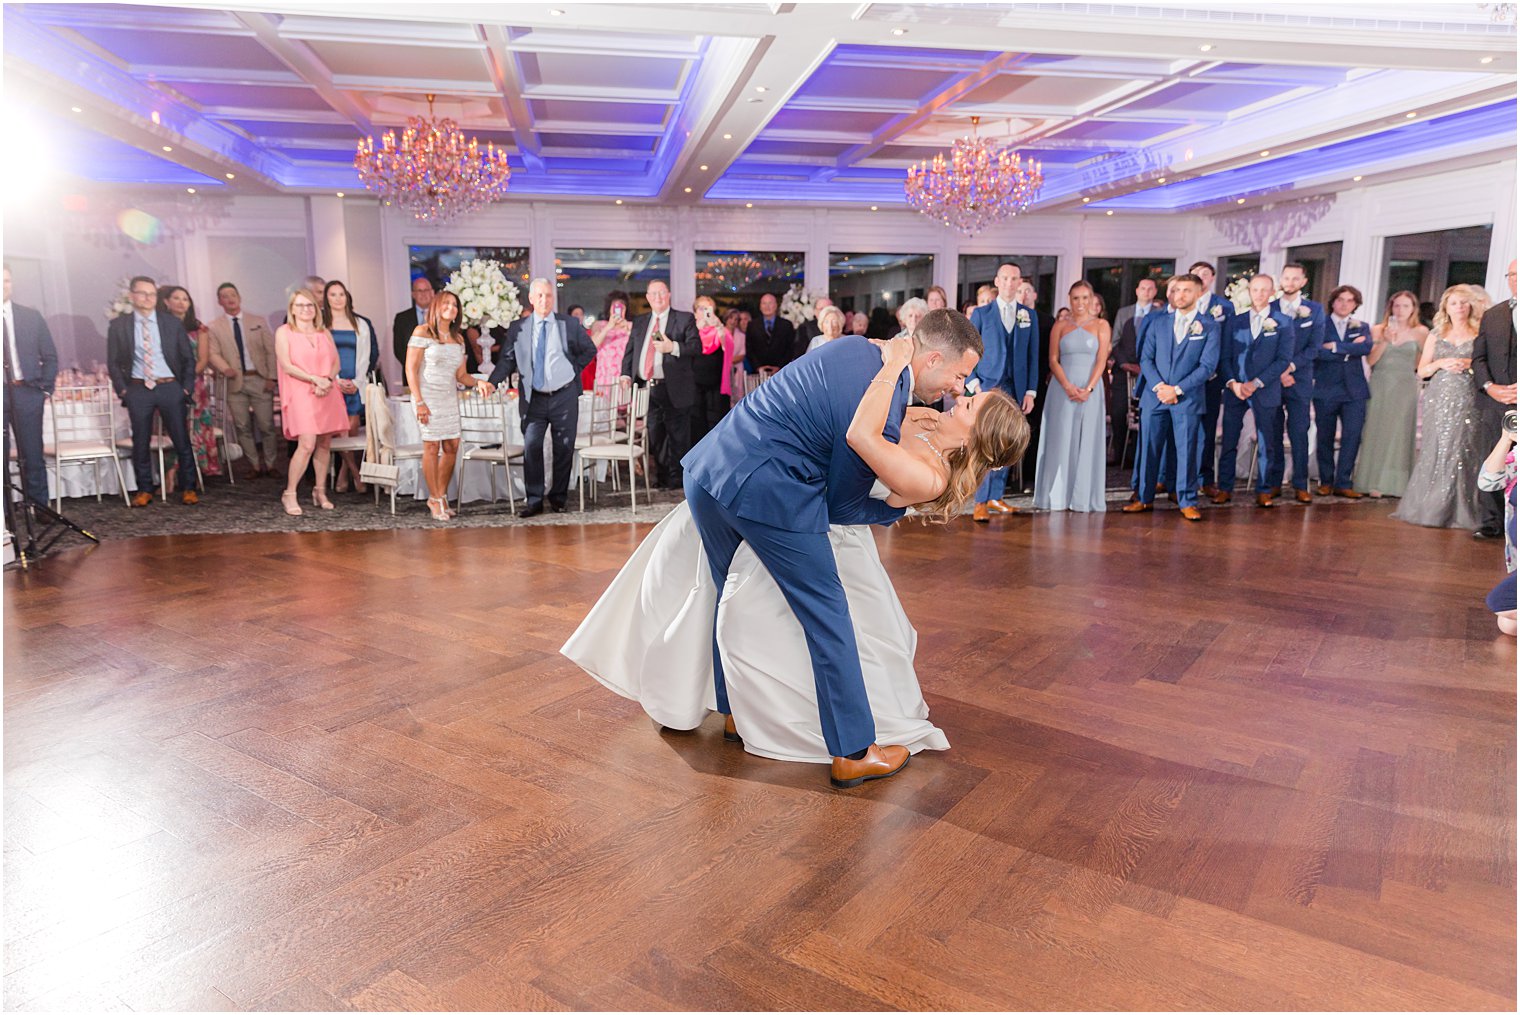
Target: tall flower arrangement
[
  {"x": 121, "y": 303},
  {"x": 797, "y": 304},
  {"x": 486, "y": 298}
]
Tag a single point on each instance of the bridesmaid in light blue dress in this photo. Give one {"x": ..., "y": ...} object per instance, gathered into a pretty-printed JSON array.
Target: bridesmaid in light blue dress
[{"x": 1069, "y": 471}]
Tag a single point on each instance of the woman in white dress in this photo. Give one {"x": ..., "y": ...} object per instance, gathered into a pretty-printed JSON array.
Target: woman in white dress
[
  {"x": 650, "y": 636},
  {"x": 435, "y": 368}
]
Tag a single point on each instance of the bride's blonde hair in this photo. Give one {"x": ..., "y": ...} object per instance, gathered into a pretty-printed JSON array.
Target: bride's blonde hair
[{"x": 998, "y": 438}]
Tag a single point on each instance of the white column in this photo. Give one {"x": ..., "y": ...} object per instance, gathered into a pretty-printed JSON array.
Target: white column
[
  {"x": 328, "y": 237},
  {"x": 1502, "y": 246},
  {"x": 815, "y": 273}
]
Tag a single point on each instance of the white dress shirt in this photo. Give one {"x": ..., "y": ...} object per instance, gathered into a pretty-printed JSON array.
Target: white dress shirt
[
  {"x": 656, "y": 327},
  {"x": 10, "y": 339}
]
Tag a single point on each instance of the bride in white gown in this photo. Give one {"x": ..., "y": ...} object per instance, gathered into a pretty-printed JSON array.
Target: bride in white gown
[{"x": 650, "y": 636}]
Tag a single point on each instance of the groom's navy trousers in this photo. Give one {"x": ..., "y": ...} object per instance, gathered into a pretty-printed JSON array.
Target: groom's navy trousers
[{"x": 774, "y": 473}]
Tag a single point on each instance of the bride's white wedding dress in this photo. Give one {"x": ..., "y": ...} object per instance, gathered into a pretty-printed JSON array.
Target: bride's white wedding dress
[{"x": 649, "y": 638}]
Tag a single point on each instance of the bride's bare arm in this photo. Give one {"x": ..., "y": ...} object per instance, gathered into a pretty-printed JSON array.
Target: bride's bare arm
[{"x": 911, "y": 479}]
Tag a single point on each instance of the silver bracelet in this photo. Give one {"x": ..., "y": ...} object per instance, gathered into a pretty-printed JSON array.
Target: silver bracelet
[{"x": 882, "y": 380}]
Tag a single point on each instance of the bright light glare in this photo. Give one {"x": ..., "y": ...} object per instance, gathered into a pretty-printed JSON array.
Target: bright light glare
[{"x": 26, "y": 179}]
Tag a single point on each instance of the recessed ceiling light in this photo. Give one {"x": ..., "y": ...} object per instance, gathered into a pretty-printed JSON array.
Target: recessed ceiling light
[
  {"x": 873, "y": 207},
  {"x": 702, "y": 168},
  {"x": 168, "y": 148},
  {"x": 1086, "y": 199},
  {"x": 1205, "y": 47},
  {"x": 78, "y": 110},
  {"x": 899, "y": 31},
  {"x": 1240, "y": 200},
  {"x": 1487, "y": 59},
  {"x": 154, "y": 116},
  {"x": 749, "y": 204},
  {"x": 754, "y": 100},
  {"x": 1161, "y": 180},
  {"x": 1265, "y": 152},
  {"x": 231, "y": 176},
  {"x": 1109, "y": 212},
  {"x": 1356, "y": 179},
  {"x": 340, "y": 193},
  {"x": 688, "y": 190},
  {"x": 189, "y": 190},
  {"x": 555, "y": 11},
  {"x": 761, "y": 88},
  {"x": 618, "y": 201},
  {"x": 728, "y": 137}
]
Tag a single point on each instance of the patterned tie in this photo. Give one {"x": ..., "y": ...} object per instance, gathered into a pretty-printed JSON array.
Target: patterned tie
[
  {"x": 654, "y": 329},
  {"x": 237, "y": 336},
  {"x": 147, "y": 347},
  {"x": 540, "y": 350}
]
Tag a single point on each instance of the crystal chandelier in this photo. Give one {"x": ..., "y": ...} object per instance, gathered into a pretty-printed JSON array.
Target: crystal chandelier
[
  {"x": 733, "y": 272},
  {"x": 432, "y": 170},
  {"x": 978, "y": 184}
]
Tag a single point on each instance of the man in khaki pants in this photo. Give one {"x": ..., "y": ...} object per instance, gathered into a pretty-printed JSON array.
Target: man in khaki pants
[{"x": 242, "y": 350}]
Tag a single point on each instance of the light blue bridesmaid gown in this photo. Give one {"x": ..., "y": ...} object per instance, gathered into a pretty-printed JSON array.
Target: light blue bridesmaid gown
[{"x": 1069, "y": 472}]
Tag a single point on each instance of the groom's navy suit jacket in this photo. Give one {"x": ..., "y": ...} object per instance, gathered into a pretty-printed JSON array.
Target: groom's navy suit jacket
[{"x": 780, "y": 457}]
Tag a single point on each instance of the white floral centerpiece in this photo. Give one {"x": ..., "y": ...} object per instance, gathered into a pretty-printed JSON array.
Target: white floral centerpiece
[
  {"x": 486, "y": 299},
  {"x": 797, "y": 304},
  {"x": 121, "y": 303},
  {"x": 1238, "y": 290}
]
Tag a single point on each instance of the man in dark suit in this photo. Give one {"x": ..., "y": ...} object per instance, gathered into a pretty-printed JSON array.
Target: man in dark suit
[
  {"x": 1256, "y": 350},
  {"x": 1341, "y": 391},
  {"x": 1179, "y": 352},
  {"x": 1308, "y": 319},
  {"x": 1211, "y": 304},
  {"x": 1493, "y": 367},
  {"x": 410, "y": 319},
  {"x": 152, "y": 367},
  {"x": 548, "y": 351},
  {"x": 770, "y": 340},
  {"x": 31, "y": 364},
  {"x": 777, "y": 470},
  {"x": 1126, "y": 358},
  {"x": 662, "y": 347}
]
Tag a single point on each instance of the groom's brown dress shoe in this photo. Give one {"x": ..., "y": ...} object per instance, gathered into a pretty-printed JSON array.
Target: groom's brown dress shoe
[
  {"x": 879, "y": 763},
  {"x": 998, "y": 507},
  {"x": 730, "y": 731},
  {"x": 979, "y": 514}
]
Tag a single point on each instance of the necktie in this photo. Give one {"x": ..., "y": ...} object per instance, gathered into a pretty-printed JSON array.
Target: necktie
[
  {"x": 1007, "y": 314},
  {"x": 147, "y": 347},
  {"x": 770, "y": 322},
  {"x": 1340, "y": 329},
  {"x": 540, "y": 350},
  {"x": 10, "y": 348},
  {"x": 1180, "y": 331},
  {"x": 654, "y": 329},
  {"x": 1255, "y": 325},
  {"x": 237, "y": 336}
]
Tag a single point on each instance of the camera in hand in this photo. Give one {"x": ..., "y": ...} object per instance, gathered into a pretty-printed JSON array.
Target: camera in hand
[{"x": 1509, "y": 422}]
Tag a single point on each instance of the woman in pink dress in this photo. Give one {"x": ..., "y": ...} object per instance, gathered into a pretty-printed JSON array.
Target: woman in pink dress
[
  {"x": 311, "y": 406},
  {"x": 610, "y": 336},
  {"x": 202, "y": 419},
  {"x": 733, "y": 322},
  {"x": 713, "y": 371}
]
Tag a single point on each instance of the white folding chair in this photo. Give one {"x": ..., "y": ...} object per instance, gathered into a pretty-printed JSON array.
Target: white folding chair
[
  {"x": 223, "y": 428},
  {"x": 626, "y": 450},
  {"x": 347, "y": 442},
  {"x": 378, "y": 409},
  {"x": 608, "y": 401},
  {"x": 483, "y": 430},
  {"x": 84, "y": 430}
]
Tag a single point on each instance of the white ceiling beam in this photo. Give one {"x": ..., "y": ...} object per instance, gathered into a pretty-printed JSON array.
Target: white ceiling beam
[
  {"x": 305, "y": 64},
  {"x": 506, "y": 75}
]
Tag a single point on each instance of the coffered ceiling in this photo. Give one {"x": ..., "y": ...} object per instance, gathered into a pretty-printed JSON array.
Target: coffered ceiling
[{"x": 1136, "y": 106}]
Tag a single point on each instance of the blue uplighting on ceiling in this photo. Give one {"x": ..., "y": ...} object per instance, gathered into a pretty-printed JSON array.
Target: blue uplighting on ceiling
[{"x": 77, "y": 151}]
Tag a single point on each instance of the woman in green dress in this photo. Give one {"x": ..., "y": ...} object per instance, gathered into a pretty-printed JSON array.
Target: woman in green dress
[{"x": 1382, "y": 468}]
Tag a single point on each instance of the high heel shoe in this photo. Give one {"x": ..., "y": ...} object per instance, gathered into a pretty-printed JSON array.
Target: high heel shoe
[
  {"x": 319, "y": 498},
  {"x": 438, "y": 506},
  {"x": 289, "y": 500}
]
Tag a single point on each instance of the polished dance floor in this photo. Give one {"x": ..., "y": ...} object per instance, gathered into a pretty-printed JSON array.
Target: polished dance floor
[{"x": 1264, "y": 762}]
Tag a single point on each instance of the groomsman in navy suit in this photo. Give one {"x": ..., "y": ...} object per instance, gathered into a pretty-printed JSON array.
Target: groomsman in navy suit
[
  {"x": 1211, "y": 304},
  {"x": 1308, "y": 320},
  {"x": 1340, "y": 391},
  {"x": 1256, "y": 350},
  {"x": 1180, "y": 353},
  {"x": 1010, "y": 335},
  {"x": 1167, "y": 480},
  {"x": 31, "y": 365}
]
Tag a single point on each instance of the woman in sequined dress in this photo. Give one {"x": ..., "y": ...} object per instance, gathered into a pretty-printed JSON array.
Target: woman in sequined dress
[{"x": 1443, "y": 487}]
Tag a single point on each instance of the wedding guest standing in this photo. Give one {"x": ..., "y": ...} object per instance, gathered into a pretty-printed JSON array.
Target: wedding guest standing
[
  {"x": 311, "y": 406},
  {"x": 908, "y": 315},
  {"x": 610, "y": 336},
  {"x": 733, "y": 324},
  {"x": 175, "y": 299},
  {"x": 548, "y": 351},
  {"x": 770, "y": 340},
  {"x": 1298, "y": 383},
  {"x": 435, "y": 368},
  {"x": 1179, "y": 352},
  {"x": 1494, "y": 374},
  {"x": 937, "y": 298},
  {"x": 859, "y": 323},
  {"x": 409, "y": 320},
  {"x": 354, "y": 336},
  {"x": 1340, "y": 391},
  {"x": 1255, "y": 350},
  {"x": 1126, "y": 360},
  {"x": 1010, "y": 341},
  {"x": 313, "y": 284},
  {"x": 1069, "y": 472},
  {"x": 659, "y": 356},
  {"x": 1442, "y": 490},
  {"x": 31, "y": 365},
  {"x": 711, "y": 369},
  {"x": 810, "y": 329},
  {"x": 152, "y": 367},
  {"x": 1387, "y": 452},
  {"x": 1213, "y": 305},
  {"x": 831, "y": 320},
  {"x": 242, "y": 350}
]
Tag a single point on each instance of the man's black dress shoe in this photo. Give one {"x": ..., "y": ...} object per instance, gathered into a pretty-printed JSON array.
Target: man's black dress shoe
[
  {"x": 558, "y": 509},
  {"x": 1487, "y": 534},
  {"x": 529, "y": 510}
]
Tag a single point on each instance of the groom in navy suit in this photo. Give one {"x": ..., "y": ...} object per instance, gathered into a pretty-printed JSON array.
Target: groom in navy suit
[
  {"x": 1180, "y": 353},
  {"x": 1010, "y": 337},
  {"x": 777, "y": 470},
  {"x": 1308, "y": 328},
  {"x": 1258, "y": 345}
]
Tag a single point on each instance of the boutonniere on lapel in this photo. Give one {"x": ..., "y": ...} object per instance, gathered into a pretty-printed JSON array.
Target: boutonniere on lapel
[
  {"x": 1268, "y": 327},
  {"x": 1304, "y": 311},
  {"x": 1196, "y": 328},
  {"x": 1218, "y": 312},
  {"x": 1023, "y": 317},
  {"x": 1352, "y": 324}
]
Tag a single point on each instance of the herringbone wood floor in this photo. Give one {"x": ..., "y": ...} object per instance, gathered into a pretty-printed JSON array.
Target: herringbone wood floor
[{"x": 1266, "y": 762}]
